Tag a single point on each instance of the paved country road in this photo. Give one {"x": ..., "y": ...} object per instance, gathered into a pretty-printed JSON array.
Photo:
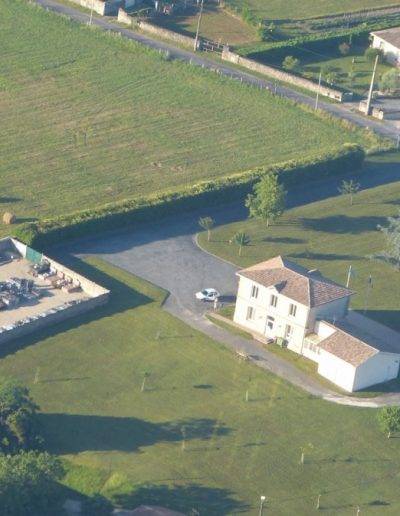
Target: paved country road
[
  {"x": 165, "y": 253},
  {"x": 384, "y": 128}
]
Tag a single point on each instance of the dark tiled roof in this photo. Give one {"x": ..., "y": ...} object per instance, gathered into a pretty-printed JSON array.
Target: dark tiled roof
[{"x": 309, "y": 288}]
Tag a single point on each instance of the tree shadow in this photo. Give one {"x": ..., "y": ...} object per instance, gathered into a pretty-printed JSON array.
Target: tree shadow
[
  {"x": 9, "y": 200},
  {"x": 284, "y": 240},
  {"x": 75, "y": 433},
  {"x": 122, "y": 298},
  {"x": 189, "y": 499},
  {"x": 342, "y": 224},
  {"x": 324, "y": 256},
  {"x": 21, "y": 220}
]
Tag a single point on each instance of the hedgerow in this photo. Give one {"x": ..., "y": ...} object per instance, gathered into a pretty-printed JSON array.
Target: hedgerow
[{"x": 41, "y": 234}]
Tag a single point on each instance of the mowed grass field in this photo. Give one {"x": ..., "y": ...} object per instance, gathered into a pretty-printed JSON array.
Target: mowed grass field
[
  {"x": 128, "y": 444},
  {"x": 292, "y": 9},
  {"x": 330, "y": 235},
  {"x": 88, "y": 118}
]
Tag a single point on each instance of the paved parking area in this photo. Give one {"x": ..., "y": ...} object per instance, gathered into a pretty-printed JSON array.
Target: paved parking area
[{"x": 166, "y": 255}]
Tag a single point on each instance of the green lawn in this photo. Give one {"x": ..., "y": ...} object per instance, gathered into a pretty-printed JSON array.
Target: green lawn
[
  {"x": 128, "y": 444},
  {"x": 292, "y": 9},
  {"x": 355, "y": 62},
  {"x": 88, "y": 118},
  {"x": 329, "y": 235}
]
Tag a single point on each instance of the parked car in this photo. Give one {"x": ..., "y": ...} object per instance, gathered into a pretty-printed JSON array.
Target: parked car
[{"x": 208, "y": 294}]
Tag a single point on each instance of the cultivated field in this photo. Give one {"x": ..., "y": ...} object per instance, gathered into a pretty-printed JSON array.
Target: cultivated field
[
  {"x": 292, "y": 9},
  {"x": 216, "y": 25},
  {"x": 88, "y": 118},
  {"x": 330, "y": 235},
  {"x": 128, "y": 444}
]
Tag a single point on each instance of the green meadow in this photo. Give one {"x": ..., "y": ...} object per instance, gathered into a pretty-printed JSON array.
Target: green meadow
[{"x": 190, "y": 441}]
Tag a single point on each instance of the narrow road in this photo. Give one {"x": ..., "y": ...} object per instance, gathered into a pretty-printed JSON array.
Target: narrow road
[
  {"x": 165, "y": 253},
  {"x": 385, "y": 128}
]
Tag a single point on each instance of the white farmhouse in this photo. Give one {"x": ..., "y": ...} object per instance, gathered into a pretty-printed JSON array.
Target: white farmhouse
[
  {"x": 388, "y": 41},
  {"x": 283, "y": 301}
]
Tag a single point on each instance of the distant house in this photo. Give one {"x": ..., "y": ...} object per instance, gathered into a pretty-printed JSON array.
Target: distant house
[
  {"x": 389, "y": 42},
  {"x": 309, "y": 314}
]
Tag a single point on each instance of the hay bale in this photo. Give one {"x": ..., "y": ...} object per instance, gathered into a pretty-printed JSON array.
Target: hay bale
[{"x": 9, "y": 218}]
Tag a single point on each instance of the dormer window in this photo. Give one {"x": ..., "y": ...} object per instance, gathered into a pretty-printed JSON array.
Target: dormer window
[
  {"x": 273, "y": 301},
  {"x": 254, "y": 291},
  {"x": 292, "y": 310}
]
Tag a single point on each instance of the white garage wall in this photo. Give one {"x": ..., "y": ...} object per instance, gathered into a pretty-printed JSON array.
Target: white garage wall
[
  {"x": 336, "y": 370},
  {"x": 380, "y": 368}
]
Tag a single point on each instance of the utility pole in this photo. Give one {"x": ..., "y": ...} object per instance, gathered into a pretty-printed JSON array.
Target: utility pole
[
  {"x": 319, "y": 87},
  {"x": 196, "y": 39},
  {"x": 371, "y": 87}
]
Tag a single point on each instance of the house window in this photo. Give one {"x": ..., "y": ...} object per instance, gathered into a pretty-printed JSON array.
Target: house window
[
  {"x": 273, "y": 301},
  {"x": 254, "y": 291},
  {"x": 288, "y": 331},
  {"x": 292, "y": 310},
  {"x": 250, "y": 313},
  {"x": 270, "y": 322}
]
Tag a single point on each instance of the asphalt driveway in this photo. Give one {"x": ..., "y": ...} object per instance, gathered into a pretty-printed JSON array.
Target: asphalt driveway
[{"x": 166, "y": 255}]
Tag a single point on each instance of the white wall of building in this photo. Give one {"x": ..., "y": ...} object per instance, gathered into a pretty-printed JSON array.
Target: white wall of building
[
  {"x": 380, "y": 368},
  {"x": 269, "y": 320},
  {"x": 335, "y": 309},
  {"x": 336, "y": 370},
  {"x": 391, "y": 53}
]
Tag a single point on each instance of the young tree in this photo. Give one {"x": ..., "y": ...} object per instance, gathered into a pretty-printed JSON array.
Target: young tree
[
  {"x": 206, "y": 223},
  {"x": 349, "y": 188},
  {"x": 291, "y": 64},
  {"x": 392, "y": 235},
  {"x": 268, "y": 199},
  {"x": 344, "y": 48},
  {"x": 390, "y": 81},
  {"x": 389, "y": 420},
  {"x": 18, "y": 418},
  {"x": 28, "y": 483},
  {"x": 371, "y": 53},
  {"x": 241, "y": 239}
]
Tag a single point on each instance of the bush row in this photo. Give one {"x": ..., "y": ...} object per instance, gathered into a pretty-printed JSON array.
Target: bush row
[
  {"x": 128, "y": 212},
  {"x": 318, "y": 43}
]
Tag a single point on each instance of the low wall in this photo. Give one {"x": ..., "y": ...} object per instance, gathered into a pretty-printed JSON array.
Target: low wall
[
  {"x": 102, "y": 7},
  {"x": 227, "y": 55},
  {"x": 55, "y": 318},
  {"x": 96, "y": 296},
  {"x": 166, "y": 34},
  {"x": 123, "y": 17}
]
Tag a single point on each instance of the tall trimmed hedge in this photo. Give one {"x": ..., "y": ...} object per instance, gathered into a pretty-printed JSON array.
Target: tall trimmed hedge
[{"x": 128, "y": 212}]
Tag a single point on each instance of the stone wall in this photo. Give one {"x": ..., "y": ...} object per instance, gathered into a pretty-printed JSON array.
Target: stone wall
[
  {"x": 96, "y": 296},
  {"x": 227, "y": 55},
  {"x": 55, "y": 318},
  {"x": 123, "y": 17}
]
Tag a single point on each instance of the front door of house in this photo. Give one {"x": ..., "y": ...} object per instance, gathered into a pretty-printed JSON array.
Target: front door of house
[{"x": 270, "y": 327}]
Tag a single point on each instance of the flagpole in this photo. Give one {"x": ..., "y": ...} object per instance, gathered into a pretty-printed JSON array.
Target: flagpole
[{"x": 349, "y": 274}]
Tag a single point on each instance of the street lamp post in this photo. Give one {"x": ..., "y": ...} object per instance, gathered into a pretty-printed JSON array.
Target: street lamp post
[
  {"x": 91, "y": 13},
  {"x": 262, "y": 501}
]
